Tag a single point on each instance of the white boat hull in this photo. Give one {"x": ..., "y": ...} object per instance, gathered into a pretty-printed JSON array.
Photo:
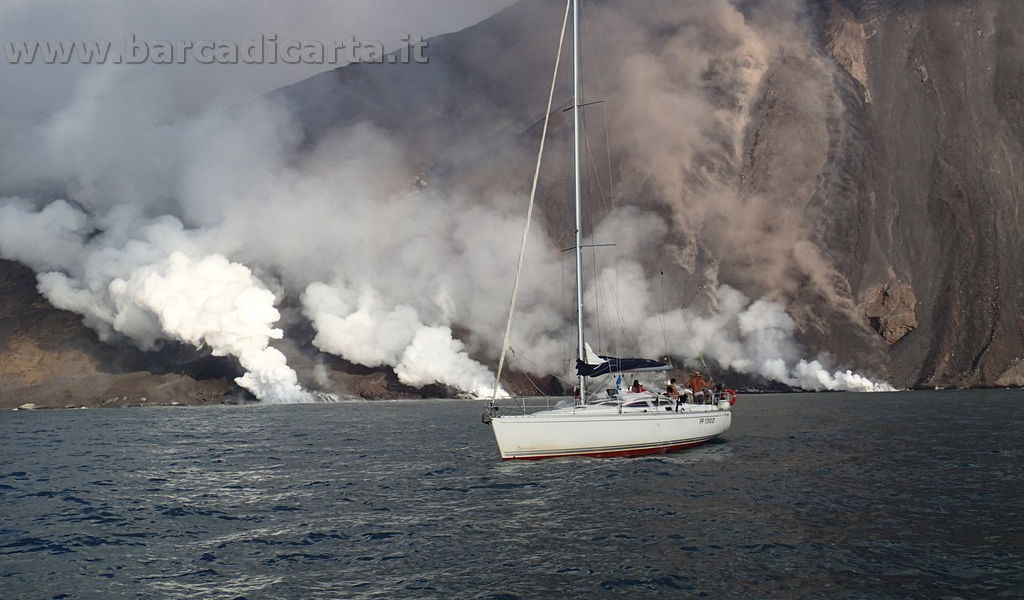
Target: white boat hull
[{"x": 581, "y": 432}]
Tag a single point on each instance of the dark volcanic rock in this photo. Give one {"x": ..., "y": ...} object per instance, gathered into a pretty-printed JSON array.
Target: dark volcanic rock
[
  {"x": 938, "y": 132},
  {"x": 105, "y": 390}
]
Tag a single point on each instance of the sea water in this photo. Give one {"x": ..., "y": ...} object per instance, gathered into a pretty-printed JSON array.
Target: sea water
[{"x": 807, "y": 496}]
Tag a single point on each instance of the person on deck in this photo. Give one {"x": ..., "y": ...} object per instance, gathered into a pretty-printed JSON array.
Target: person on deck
[
  {"x": 636, "y": 388},
  {"x": 672, "y": 391},
  {"x": 697, "y": 384}
]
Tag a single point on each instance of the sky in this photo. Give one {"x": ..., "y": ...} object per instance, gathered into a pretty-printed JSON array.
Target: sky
[{"x": 31, "y": 92}]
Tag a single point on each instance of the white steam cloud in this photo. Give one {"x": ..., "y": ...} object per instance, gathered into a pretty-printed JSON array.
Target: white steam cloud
[
  {"x": 367, "y": 333},
  {"x": 217, "y": 303},
  {"x": 350, "y": 210},
  {"x": 149, "y": 289}
]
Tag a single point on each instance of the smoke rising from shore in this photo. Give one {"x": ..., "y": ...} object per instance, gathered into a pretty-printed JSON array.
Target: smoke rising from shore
[{"x": 200, "y": 230}]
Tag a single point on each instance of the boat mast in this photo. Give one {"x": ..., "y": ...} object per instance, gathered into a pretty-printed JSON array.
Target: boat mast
[{"x": 582, "y": 355}]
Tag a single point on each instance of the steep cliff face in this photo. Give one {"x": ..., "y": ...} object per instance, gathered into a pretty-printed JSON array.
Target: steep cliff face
[{"x": 938, "y": 153}]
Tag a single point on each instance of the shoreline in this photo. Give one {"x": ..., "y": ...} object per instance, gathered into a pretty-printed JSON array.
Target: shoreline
[{"x": 127, "y": 401}]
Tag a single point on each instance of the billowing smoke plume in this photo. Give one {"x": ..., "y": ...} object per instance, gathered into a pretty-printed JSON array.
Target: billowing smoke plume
[
  {"x": 420, "y": 262},
  {"x": 756, "y": 338},
  {"x": 724, "y": 112},
  {"x": 365, "y": 332},
  {"x": 149, "y": 289},
  {"x": 196, "y": 230}
]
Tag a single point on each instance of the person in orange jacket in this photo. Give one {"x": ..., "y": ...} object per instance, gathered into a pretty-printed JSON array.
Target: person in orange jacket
[{"x": 696, "y": 383}]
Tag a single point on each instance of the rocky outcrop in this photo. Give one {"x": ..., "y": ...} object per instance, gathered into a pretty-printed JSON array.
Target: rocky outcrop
[
  {"x": 1014, "y": 376},
  {"x": 891, "y": 310},
  {"x": 846, "y": 41}
]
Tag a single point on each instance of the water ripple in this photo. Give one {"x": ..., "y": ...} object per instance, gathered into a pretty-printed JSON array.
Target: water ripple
[{"x": 809, "y": 496}]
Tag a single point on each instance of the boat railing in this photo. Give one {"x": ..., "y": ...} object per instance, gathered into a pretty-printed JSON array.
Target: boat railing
[{"x": 528, "y": 404}]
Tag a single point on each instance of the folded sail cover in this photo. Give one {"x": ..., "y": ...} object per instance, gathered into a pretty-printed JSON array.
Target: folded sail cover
[{"x": 612, "y": 364}]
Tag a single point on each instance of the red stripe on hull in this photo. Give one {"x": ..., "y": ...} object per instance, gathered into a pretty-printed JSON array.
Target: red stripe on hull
[{"x": 616, "y": 453}]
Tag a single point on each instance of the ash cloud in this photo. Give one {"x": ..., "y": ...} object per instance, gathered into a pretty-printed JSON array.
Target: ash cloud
[
  {"x": 735, "y": 157},
  {"x": 198, "y": 229}
]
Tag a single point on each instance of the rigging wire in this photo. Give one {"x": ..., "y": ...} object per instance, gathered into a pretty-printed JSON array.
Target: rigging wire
[
  {"x": 608, "y": 155},
  {"x": 604, "y": 204},
  {"x": 664, "y": 335},
  {"x": 522, "y": 358},
  {"x": 608, "y": 200},
  {"x": 707, "y": 369},
  {"x": 611, "y": 196},
  {"x": 593, "y": 166},
  {"x": 601, "y": 290},
  {"x": 564, "y": 306},
  {"x": 604, "y": 113},
  {"x": 529, "y": 210},
  {"x": 600, "y": 298},
  {"x": 526, "y": 373},
  {"x": 616, "y": 280},
  {"x": 593, "y": 256},
  {"x": 589, "y": 214}
]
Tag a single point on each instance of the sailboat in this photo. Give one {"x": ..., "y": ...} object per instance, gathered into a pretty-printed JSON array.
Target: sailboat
[{"x": 620, "y": 423}]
